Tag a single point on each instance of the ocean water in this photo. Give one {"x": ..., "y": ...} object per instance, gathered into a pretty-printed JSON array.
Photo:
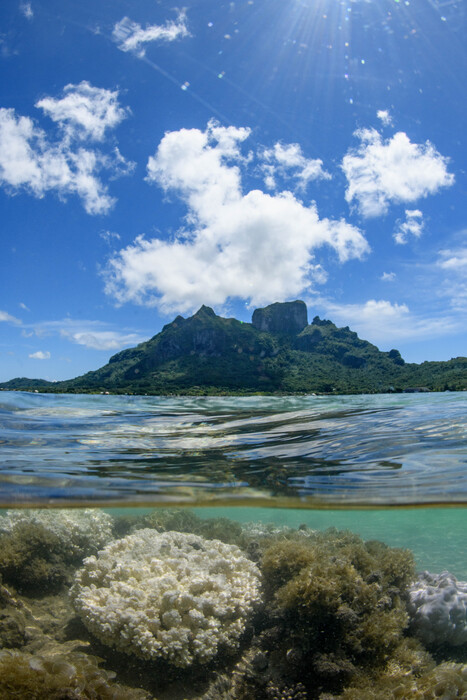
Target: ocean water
[{"x": 292, "y": 486}]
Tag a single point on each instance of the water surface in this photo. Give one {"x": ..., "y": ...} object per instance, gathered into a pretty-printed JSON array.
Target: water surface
[{"x": 378, "y": 450}]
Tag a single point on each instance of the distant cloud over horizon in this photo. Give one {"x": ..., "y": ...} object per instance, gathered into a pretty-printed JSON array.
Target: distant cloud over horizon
[
  {"x": 382, "y": 321},
  {"x": 40, "y": 355}
]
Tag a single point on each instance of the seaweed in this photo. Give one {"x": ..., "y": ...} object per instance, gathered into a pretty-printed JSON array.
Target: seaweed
[
  {"x": 68, "y": 676},
  {"x": 336, "y": 606},
  {"x": 32, "y": 559}
]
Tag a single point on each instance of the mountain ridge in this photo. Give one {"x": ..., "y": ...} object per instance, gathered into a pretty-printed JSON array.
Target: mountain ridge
[{"x": 278, "y": 352}]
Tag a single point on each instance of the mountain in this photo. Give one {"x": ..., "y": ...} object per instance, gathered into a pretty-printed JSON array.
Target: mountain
[{"x": 277, "y": 352}]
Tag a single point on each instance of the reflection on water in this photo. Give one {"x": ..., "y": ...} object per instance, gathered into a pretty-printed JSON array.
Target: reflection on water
[{"x": 363, "y": 449}]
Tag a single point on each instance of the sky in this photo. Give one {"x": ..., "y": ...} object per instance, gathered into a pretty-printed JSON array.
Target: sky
[{"x": 154, "y": 158}]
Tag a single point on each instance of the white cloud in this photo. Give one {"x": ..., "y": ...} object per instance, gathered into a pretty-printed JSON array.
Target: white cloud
[
  {"x": 384, "y": 116},
  {"x": 388, "y": 276},
  {"x": 92, "y": 334},
  {"x": 23, "y": 306},
  {"x": 130, "y": 36},
  {"x": 4, "y": 316},
  {"x": 26, "y": 9},
  {"x": 380, "y": 172},
  {"x": 381, "y": 321},
  {"x": 454, "y": 260},
  {"x": 109, "y": 236},
  {"x": 413, "y": 225},
  {"x": 40, "y": 355},
  {"x": 253, "y": 246},
  {"x": 30, "y": 161},
  {"x": 101, "y": 340},
  {"x": 453, "y": 263},
  {"x": 84, "y": 111},
  {"x": 284, "y": 158}
]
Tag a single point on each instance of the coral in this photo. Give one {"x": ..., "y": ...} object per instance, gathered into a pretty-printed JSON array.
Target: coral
[
  {"x": 297, "y": 692},
  {"x": 39, "y": 548},
  {"x": 68, "y": 676},
  {"x": 438, "y": 609},
  {"x": 167, "y": 595},
  {"x": 80, "y": 532},
  {"x": 336, "y": 606},
  {"x": 184, "y": 520}
]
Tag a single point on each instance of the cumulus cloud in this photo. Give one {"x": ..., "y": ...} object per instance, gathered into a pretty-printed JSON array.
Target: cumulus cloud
[
  {"x": 288, "y": 158},
  {"x": 84, "y": 111},
  {"x": 413, "y": 225},
  {"x": 4, "y": 316},
  {"x": 249, "y": 245},
  {"x": 380, "y": 172},
  {"x": 40, "y": 355},
  {"x": 381, "y": 321},
  {"x": 384, "y": 116},
  {"x": 32, "y": 162},
  {"x": 130, "y": 36}
]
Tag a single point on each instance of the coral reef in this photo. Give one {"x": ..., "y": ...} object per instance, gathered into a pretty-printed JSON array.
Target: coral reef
[
  {"x": 208, "y": 609},
  {"x": 83, "y": 532},
  {"x": 167, "y": 595},
  {"x": 67, "y": 676},
  {"x": 438, "y": 609},
  {"x": 39, "y": 548},
  {"x": 183, "y": 520}
]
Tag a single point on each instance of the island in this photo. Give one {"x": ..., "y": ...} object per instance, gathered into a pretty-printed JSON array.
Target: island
[{"x": 278, "y": 352}]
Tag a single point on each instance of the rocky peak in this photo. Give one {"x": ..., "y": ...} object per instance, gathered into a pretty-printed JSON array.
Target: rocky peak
[
  {"x": 289, "y": 317},
  {"x": 205, "y": 311}
]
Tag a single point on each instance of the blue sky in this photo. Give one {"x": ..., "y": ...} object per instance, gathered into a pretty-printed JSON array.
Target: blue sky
[{"x": 154, "y": 158}]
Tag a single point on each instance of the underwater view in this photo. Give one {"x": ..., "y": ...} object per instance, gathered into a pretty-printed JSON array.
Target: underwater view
[{"x": 260, "y": 547}]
